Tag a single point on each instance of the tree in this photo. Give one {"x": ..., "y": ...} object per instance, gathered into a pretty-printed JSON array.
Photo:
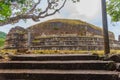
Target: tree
[
  {"x": 113, "y": 8},
  {"x": 12, "y": 11}
]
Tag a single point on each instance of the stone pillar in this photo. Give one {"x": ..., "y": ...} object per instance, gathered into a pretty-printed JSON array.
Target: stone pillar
[
  {"x": 119, "y": 38},
  {"x": 105, "y": 28},
  {"x": 29, "y": 38}
]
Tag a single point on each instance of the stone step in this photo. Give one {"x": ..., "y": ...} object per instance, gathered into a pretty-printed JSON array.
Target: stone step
[
  {"x": 62, "y": 65},
  {"x": 48, "y": 57},
  {"x": 27, "y": 74}
]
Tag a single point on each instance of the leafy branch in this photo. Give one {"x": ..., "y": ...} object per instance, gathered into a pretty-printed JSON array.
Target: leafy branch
[{"x": 12, "y": 11}]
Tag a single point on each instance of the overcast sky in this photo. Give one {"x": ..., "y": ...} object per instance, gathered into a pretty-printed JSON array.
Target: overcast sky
[{"x": 86, "y": 10}]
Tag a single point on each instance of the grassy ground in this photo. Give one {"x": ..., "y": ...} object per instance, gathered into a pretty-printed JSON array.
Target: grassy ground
[
  {"x": 62, "y": 52},
  {"x": 74, "y": 52}
]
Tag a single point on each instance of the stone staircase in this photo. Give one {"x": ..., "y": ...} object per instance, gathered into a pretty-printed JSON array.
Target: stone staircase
[{"x": 58, "y": 67}]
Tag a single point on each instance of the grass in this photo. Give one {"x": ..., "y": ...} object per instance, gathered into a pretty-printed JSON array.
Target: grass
[
  {"x": 100, "y": 53},
  {"x": 2, "y": 41},
  {"x": 11, "y": 51}
]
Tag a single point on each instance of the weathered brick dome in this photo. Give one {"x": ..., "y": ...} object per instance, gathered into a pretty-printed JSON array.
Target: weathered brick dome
[
  {"x": 66, "y": 27},
  {"x": 59, "y": 34}
]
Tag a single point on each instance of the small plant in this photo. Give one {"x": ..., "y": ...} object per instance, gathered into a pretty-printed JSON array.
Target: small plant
[
  {"x": 95, "y": 54},
  {"x": 111, "y": 66},
  {"x": 56, "y": 28}
]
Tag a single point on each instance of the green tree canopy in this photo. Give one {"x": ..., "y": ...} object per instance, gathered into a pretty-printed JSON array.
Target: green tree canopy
[
  {"x": 12, "y": 11},
  {"x": 113, "y": 9}
]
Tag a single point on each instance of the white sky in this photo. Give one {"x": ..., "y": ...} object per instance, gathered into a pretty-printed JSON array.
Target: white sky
[{"x": 86, "y": 10}]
